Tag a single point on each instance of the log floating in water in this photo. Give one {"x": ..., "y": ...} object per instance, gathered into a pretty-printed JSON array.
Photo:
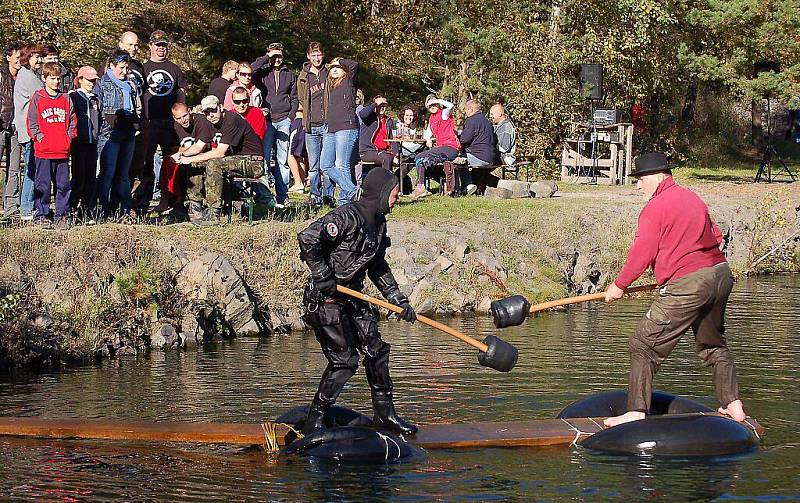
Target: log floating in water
[{"x": 537, "y": 432}]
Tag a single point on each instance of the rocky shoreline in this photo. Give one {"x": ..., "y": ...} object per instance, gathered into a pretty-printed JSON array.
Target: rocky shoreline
[{"x": 116, "y": 290}]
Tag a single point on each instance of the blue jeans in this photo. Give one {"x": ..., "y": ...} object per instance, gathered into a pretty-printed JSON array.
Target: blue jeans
[
  {"x": 337, "y": 150},
  {"x": 114, "y": 184},
  {"x": 278, "y": 137},
  {"x": 315, "y": 175},
  {"x": 28, "y": 181}
]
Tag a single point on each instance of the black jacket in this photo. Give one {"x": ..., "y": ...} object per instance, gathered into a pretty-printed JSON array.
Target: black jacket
[
  {"x": 341, "y": 246},
  {"x": 341, "y": 113},
  {"x": 477, "y": 138},
  {"x": 369, "y": 126},
  {"x": 279, "y": 88},
  {"x": 6, "y": 98}
]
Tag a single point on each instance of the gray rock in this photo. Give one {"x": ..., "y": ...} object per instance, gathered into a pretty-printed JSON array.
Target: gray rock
[
  {"x": 491, "y": 263},
  {"x": 165, "y": 336},
  {"x": 158, "y": 342},
  {"x": 484, "y": 305},
  {"x": 425, "y": 307},
  {"x": 543, "y": 188},
  {"x": 444, "y": 263},
  {"x": 398, "y": 254},
  {"x": 518, "y": 188},
  {"x": 497, "y": 193},
  {"x": 420, "y": 292},
  {"x": 212, "y": 278},
  {"x": 458, "y": 247}
]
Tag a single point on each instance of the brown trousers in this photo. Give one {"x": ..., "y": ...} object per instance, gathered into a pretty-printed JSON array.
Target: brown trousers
[{"x": 696, "y": 300}]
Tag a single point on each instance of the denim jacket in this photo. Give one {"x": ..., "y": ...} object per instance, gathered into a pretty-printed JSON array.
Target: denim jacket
[{"x": 112, "y": 100}]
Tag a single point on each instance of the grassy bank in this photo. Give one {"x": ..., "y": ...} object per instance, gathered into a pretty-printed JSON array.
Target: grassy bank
[{"x": 85, "y": 287}]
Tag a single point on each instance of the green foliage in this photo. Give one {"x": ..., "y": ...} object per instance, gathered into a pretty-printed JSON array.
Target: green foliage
[
  {"x": 665, "y": 54},
  {"x": 138, "y": 283}
]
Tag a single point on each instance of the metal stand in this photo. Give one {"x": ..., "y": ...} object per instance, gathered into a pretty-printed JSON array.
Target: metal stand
[
  {"x": 770, "y": 153},
  {"x": 594, "y": 151}
]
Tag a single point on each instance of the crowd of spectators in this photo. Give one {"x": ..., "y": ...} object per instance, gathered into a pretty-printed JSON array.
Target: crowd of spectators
[{"x": 105, "y": 141}]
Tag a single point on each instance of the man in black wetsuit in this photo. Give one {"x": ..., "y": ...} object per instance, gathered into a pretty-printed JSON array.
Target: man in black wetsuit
[{"x": 344, "y": 247}]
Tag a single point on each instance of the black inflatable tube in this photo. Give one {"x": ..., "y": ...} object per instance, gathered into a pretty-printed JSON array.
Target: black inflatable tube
[
  {"x": 614, "y": 403},
  {"x": 673, "y": 427},
  {"x": 347, "y": 438},
  {"x": 353, "y": 444},
  {"x": 682, "y": 435}
]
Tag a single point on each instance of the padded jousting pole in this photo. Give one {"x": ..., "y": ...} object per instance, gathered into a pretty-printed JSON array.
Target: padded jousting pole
[
  {"x": 512, "y": 311},
  {"x": 494, "y": 352}
]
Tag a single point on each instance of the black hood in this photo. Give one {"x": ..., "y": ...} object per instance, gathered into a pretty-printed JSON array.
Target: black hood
[{"x": 375, "y": 190}]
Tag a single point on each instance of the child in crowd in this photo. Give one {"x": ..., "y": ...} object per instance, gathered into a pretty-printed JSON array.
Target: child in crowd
[
  {"x": 298, "y": 158},
  {"x": 52, "y": 125},
  {"x": 83, "y": 197}
]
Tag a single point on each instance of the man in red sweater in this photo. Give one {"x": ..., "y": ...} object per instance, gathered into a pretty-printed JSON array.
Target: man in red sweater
[
  {"x": 52, "y": 126},
  {"x": 677, "y": 238}
]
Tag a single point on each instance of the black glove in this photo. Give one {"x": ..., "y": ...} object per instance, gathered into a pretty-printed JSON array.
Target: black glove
[
  {"x": 407, "y": 314},
  {"x": 327, "y": 287}
]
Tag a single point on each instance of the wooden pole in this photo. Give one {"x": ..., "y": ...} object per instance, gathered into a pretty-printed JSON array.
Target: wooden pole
[
  {"x": 431, "y": 323},
  {"x": 585, "y": 298}
]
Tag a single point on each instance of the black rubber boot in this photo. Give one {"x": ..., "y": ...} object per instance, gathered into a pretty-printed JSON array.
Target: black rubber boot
[
  {"x": 315, "y": 420},
  {"x": 385, "y": 415}
]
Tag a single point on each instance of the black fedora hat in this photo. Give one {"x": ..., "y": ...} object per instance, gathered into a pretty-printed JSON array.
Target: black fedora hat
[{"x": 654, "y": 162}]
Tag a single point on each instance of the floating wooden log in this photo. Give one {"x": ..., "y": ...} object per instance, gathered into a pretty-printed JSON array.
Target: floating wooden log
[{"x": 535, "y": 432}]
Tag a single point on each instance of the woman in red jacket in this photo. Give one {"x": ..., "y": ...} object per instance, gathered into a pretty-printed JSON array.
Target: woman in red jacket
[{"x": 441, "y": 129}]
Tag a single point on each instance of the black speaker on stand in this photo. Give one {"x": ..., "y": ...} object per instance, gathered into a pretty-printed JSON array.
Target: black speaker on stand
[
  {"x": 770, "y": 153},
  {"x": 590, "y": 86}
]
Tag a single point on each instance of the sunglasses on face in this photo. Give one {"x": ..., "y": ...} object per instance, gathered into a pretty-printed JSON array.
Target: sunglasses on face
[
  {"x": 209, "y": 111},
  {"x": 161, "y": 44},
  {"x": 245, "y": 74},
  {"x": 243, "y": 101}
]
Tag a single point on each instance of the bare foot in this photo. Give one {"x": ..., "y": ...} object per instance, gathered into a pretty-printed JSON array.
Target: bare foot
[
  {"x": 734, "y": 410},
  {"x": 632, "y": 415}
]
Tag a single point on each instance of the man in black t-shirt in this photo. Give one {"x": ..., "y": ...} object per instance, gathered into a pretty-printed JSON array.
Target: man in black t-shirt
[
  {"x": 164, "y": 85},
  {"x": 236, "y": 150}
]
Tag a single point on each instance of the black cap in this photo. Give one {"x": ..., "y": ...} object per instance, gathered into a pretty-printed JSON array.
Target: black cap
[{"x": 646, "y": 164}]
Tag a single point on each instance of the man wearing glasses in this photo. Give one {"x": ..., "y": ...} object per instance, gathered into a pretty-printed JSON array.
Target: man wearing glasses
[
  {"x": 164, "y": 86},
  {"x": 236, "y": 150},
  {"x": 278, "y": 86}
]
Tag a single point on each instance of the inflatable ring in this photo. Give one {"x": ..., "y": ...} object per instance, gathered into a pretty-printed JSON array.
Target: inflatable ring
[
  {"x": 614, "y": 403},
  {"x": 675, "y": 426},
  {"x": 348, "y": 437},
  {"x": 353, "y": 444}
]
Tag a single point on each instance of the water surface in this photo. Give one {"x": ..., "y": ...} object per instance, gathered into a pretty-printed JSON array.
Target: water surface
[{"x": 563, "y": 355}]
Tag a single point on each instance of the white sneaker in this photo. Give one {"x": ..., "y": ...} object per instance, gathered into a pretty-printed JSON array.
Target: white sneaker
[{"x": 471, "y": 189}]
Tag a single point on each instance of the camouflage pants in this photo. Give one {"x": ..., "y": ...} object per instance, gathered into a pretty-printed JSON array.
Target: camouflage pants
[{"x": 209, "y": 176}]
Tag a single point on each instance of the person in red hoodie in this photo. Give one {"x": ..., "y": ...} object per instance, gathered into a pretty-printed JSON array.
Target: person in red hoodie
[
  {"x": 52, "y": 126},
  {"x": 678, "y": 239}
]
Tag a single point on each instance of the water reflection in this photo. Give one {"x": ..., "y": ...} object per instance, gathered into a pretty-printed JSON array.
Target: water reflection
[{"x": 563, "y": 355}]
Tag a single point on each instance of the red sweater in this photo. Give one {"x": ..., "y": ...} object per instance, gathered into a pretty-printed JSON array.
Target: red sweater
[
  {"x": 675, "y": 237},
  {"x": 51, "y": 124},
  {"x": 255, "y": 117},
  {"x": 444, "y": 131}
]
